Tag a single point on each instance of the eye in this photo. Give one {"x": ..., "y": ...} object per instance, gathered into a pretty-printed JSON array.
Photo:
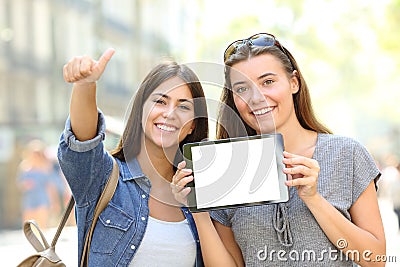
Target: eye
[
  {"x": 268, "y": 82},
  {"x": 159, "y": 101},
  {"x": 240, "y": 90},
  {"x": 184, "y": 107}
]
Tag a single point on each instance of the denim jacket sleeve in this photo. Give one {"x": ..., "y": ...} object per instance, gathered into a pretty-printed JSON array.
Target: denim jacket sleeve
[{"x": 86, "y": 165}]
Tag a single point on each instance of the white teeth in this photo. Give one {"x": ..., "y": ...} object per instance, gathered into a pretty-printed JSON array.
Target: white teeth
[
  {"x": 262, "y": 111},
  {"x": 166, "y": 128}
]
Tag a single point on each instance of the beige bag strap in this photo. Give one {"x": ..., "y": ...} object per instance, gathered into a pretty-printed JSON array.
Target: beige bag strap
[
  {"x": 105, "y": 197},
  {"x": 41, "y": 245},
  {"x": 63, "y": 221}
]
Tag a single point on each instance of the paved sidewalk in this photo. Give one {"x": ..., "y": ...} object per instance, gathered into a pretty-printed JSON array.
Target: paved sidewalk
[{"x": 14, "y": 247}]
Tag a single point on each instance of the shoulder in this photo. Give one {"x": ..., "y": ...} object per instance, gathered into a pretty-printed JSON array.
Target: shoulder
[
  {"x": 223, "y": 216},
  {"x": 336, "y": 142},
  {"x": 336, "y": 139},
  {"x": 338, "y": 148}
]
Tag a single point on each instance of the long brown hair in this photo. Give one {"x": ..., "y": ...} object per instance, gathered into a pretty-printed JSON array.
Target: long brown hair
[
  {"x": 130, "y": 141},
  {"x": 301, "y": 99}
]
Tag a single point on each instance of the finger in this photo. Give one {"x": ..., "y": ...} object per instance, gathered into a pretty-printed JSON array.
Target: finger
[
  {"x": 294, "y": 159},
  {"x": 311, "y": 163},
  {"x": 181, "y": 165},
  {"x": 181, "y": 179},
  {"x": 71, "y": 72},
  {"x": 76, "y": 68},
  {"x": 310, "y": 181},
  {"x": 68, "y": 77},
  {"x": 289, "y": 179},
  {"x": 105, "y": 58},
  {"x": 180, "y": 174},
  {"x": 66, "y": 73},
  {"x": 289, "y": 182},
  {"x": 184, "y": 181},
  {"x": 186, "y": 172},
  {"x": 86, "y": 65},
  {"x": 288, "y": 154},
  {"x": 299, "y": 169}
]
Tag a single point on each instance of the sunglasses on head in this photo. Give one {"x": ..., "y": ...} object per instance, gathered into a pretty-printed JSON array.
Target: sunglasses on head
[{"x": 259, "y": 39}]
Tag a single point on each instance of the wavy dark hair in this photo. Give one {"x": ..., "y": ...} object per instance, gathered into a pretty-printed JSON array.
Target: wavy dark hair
[
  {"x": 129, "y": 144},
  {"x": 302, "y": 100}
]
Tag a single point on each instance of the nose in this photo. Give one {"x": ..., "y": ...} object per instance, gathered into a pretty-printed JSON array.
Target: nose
[
  {"x": 169, "y": 112},
  {"x": 256, "y": 96}
]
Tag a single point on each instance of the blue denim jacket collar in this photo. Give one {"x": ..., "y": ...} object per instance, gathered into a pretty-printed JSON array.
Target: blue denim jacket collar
[{"x": 131, "y": 170}]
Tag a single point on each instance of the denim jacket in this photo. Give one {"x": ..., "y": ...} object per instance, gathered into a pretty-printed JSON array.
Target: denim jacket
[{"x": 121, "y": 226}]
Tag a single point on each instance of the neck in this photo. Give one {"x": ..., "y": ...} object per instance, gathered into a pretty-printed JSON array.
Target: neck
[
  {"x": 298, "y": 140},
  {"x": 156, "y": 162}
]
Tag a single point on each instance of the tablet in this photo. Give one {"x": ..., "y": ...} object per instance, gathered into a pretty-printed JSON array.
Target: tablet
[{"x": 236, "y": 172}]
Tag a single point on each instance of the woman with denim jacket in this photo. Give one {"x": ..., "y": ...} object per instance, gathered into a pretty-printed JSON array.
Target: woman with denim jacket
[
  {"x": 332, "y": 217},
  {"x": 143, "y": 225}
]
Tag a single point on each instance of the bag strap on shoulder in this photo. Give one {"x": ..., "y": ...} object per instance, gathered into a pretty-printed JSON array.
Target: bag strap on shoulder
[{"x": 105, "y": 197}]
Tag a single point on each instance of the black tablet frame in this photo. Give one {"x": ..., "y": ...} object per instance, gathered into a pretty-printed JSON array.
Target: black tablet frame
[{"x": 279, "y": 148}]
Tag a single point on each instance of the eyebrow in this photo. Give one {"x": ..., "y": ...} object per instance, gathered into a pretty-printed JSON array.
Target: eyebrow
[
  {"x": 259, "y": 78},
  {"x": 266, "y": 74},
  {"x": 238, "y": 83},
  {"x": 179, "y": 100}
]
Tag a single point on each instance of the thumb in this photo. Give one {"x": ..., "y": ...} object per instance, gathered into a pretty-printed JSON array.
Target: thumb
[
  {"x": 105, "y": 57},
  {"x": 181, "y": 165}
]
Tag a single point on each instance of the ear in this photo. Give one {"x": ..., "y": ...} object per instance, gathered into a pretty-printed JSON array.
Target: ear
[
  {"x": 294, "y": 82},
  {"x": 192, "y": 128}
]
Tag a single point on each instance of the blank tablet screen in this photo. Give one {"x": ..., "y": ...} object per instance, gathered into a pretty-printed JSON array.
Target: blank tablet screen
[{"x": 237, "y": 172}]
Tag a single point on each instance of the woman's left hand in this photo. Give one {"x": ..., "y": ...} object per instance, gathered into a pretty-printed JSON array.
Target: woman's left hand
[
  {"x": 303, "y": 174},
  {"x": 179, "y": 181}
]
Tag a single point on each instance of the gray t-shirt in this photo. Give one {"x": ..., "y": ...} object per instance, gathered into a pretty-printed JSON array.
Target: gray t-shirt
[{"x": 287, "y": 234}]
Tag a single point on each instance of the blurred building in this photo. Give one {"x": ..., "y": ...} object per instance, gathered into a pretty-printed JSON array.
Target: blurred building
[{"x": 37, "y": 37}]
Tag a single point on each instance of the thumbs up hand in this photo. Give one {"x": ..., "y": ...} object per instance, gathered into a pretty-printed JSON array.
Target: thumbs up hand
[{"x": 83, "y": 69}]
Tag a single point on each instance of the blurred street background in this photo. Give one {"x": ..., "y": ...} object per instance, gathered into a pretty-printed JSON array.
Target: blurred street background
[{"x": 348, "y": 51}]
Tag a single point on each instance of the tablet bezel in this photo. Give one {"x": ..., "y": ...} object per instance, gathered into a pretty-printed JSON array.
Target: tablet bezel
[{"x": 279, "y": 148}]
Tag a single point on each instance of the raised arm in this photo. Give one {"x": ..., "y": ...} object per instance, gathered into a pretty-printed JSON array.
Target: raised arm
[{"x": 84, "y": 72}]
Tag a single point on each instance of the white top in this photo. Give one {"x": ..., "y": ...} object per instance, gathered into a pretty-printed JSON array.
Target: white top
[{"x": 166, "y": 244}]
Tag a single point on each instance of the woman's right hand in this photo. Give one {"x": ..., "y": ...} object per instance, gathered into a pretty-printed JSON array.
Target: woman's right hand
[
  {"x": 180, "y": 179},
  {"x": 83, "y": 69},
  {"x": 84, "y": 72}
]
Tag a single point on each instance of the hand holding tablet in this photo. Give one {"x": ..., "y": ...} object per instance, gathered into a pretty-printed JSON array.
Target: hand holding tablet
[{"x": 236, "y": 172}]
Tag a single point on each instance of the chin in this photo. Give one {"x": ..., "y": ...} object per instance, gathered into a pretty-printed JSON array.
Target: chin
[
  {"x": 167, "y": 144},
  {"x": 267, "y": 130}
]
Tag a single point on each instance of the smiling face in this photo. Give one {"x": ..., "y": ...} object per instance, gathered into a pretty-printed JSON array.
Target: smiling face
[
  {"x": 168, "y": 114},
  {"x": 262, "y": 93}
]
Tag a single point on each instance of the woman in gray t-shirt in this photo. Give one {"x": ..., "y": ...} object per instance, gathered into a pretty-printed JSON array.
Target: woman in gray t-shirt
[{"x": 332, "y": 217}]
